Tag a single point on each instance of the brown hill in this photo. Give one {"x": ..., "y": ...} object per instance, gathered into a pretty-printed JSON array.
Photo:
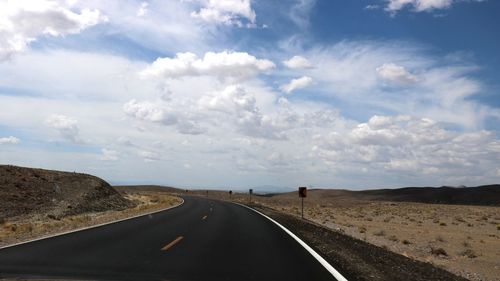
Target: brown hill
[{"x": 28, "y": 191}]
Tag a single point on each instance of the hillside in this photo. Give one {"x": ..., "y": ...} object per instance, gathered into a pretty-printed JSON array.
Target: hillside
[
  {"x": 28, "y": 191},
  {"x": 487, "y": 195},
  {"x": 146, "y": 188}
]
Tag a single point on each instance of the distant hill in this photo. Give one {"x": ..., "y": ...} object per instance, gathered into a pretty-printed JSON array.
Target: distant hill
[
  {"x": 487, "y": 195},
  {"x": 480, "y": 195},
  {"x": 28, "y": 191}
]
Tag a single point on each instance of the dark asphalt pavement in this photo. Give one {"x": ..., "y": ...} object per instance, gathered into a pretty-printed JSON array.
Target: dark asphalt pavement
[{"x": 220, "y": 241}]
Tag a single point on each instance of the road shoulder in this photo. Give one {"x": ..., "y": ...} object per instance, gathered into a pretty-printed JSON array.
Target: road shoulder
[{"x": 356, "y": 259}]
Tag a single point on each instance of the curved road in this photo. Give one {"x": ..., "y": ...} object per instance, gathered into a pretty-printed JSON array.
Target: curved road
[{"x": 200, "y": 240}]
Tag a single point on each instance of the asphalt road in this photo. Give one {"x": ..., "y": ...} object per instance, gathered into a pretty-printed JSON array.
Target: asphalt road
[{"x": 200, "y": 240}]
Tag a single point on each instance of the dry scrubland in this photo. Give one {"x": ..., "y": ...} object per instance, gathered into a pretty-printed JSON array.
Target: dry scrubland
[
  {"x": 462, "y": 239},
  {"x": 38, "y": 202}
]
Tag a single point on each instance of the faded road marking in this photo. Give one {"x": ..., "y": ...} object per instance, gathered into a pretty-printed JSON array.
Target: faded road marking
[{"x": 171, "y": 244}]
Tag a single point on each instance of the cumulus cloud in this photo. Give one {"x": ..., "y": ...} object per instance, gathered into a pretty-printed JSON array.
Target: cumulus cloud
[
  {"x": 22, "y": 22},
  {"x": 297, "y": 62},
  {"x": 109, "y": 155},
  {"x": 395, "y": 73},
  {"x": 226, "y": 12},
  {"x": 223, "y": 64},
  {"x": 421, "y": 5},
  {"x": 403, "y": 143},
  {"x": 9, "y": 140},
  {"x": 164, "y": 113},
  {"x": 66, "y": 126},
  {"x": 297, "y": 84},
  {"x": 237, "y": 104},
  {"x": 149, "y": 111}
]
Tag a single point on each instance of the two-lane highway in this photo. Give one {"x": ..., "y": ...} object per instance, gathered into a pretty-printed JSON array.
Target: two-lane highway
[{"x": 200, "y": 240}]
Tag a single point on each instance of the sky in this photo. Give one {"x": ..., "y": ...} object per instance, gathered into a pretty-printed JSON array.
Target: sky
[{"x": 243, "y": 93}]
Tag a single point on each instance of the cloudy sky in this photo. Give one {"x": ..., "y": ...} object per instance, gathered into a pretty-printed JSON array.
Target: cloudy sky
[{"x": 240, "y": 93}]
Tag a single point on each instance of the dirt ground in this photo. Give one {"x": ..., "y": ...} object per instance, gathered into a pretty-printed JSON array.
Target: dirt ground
[
  {"x": 27, "y": 227},
  {"x": 462, "y": 239},
  {"x": 358, "y": 260}
]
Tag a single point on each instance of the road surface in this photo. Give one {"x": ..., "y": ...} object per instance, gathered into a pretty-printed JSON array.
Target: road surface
[{"x": 202, "y": 239}]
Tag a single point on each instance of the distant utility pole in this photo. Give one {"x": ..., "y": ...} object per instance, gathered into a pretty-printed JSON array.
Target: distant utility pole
[
  {"x": 250, "y": 194},
  {"x": 302, "y": 195}
]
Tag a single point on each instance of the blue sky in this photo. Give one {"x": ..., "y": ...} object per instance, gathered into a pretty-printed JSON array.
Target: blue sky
[{"x": 241, "y": 93}]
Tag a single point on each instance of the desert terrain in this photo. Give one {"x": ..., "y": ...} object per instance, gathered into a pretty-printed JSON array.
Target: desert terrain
[
  {"x": 463, "y": 239},
  {"x": 36, "y": 202},
  {"x": 455, "y": 229}
]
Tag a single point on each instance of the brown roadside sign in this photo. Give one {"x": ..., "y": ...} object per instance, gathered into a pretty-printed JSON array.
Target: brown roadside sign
[{"x": 303, "y": 192}]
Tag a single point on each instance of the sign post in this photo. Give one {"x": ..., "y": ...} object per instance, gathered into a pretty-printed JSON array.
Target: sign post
[
  {"x": 302, "y": 195},
  {"x": 250, "y": 193}
]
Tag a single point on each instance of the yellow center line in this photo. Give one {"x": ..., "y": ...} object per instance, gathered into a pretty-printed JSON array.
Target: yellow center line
[
  {"x": 204, "y": 217},
  {"x": 169, "y": 245}
]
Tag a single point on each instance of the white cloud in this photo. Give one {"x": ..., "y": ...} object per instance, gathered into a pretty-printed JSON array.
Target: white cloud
[
  {"x": 109, "y": 155},
  {"x": 411, "y": 147},
  {"x": 66, "y": 126},
  {"x": 22, "y": 22},
  {"x": 420, "y": 5},
  {"x": 152, "y": 112},
  {"x": 222, "y": 65},
  {"x": 227, "y": 12},
  {"x": 442, "y": 91},
  {"x": 395, "y": 73},
  {"x": 300, "y": 12},
  {"x": 297, "y": 84},
  {"x": 149, "y": 156},
  {"x": 9, "y": 140},
  {"x": 297, "y": 62},
  {"x": 143, "y": 9}
]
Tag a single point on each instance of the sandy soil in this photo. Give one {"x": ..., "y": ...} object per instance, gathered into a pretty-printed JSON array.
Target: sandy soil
[
  {"x": 462, "y": 239},
  {"x": 27, "y": 227}
]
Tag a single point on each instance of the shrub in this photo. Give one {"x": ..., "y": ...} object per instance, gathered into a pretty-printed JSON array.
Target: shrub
[
  {"x": 393, "y": 238},
  {"x": 440, "y": 238},
  {"x": 442, "y": 224},
  {"x": 406, "y": 242},
  {"x": 468, "y": 253},
  {"x": 362, "y": 229},
  {"x": 439, "y": 252}
]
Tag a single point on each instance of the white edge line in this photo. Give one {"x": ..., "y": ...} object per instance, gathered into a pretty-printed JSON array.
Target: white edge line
[
  {"x": 320, "y": 259},
  {"x": 90, "y": 227}
]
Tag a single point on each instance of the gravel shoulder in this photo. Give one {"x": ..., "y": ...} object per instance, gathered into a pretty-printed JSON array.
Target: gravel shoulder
[{"x": 356, "y": 259}]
